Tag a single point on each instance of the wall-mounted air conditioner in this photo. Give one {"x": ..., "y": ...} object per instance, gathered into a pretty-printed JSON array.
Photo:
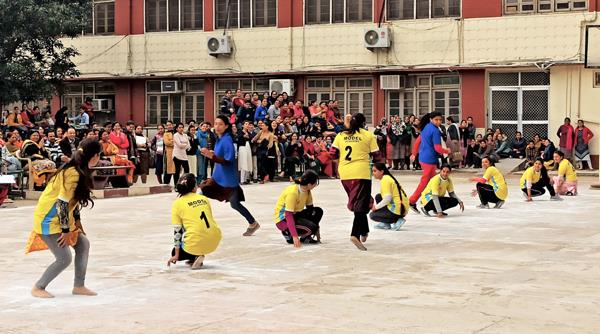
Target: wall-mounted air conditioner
[
  {"x": 219, "y": 45},
  {"x": 282, "y": 85},
  {"x": 377, "y": 38},
  {"x": 391, "y": 82},
  {"x": 169, "y": 87},
  {"x": 102, "y": 104}
]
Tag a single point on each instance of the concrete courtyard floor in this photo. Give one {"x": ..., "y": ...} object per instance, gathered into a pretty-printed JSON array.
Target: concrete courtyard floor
[{"x": 526, "y": 268}]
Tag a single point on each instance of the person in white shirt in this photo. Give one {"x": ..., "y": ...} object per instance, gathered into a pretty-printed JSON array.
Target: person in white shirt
[{"x": 181, "y": 144}]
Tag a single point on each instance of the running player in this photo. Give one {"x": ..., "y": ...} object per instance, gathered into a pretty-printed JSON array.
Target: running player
[
  {"x": 535, "y": 179},
  {"x": 224, "y": 185},
  {"x": 428, "y": 146},
  {"x": 433, "y": 197},
  {"x": 391, "y": 203},
  {"x": 492, "y": 187},
  {"x": 195, "y": 231},
  {"x": 355, "y": 145},
  {"x": 566, "y": 181},
  {"x": 295, "y": 212},
  {"x": 56, "y": 218}
]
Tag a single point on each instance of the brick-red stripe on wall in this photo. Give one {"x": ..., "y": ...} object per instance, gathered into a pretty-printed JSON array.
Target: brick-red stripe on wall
[
  {"x": 481, "y": 8},
  {"x": 473, "y": 96}
]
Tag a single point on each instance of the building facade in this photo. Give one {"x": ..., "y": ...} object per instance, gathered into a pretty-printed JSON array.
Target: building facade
[{"x": 513, "y": 64}]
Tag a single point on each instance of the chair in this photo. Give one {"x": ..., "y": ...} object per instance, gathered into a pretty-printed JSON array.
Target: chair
[{"x": 26, "y": 168}]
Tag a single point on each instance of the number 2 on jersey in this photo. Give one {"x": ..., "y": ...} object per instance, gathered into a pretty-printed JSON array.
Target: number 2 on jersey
[
  {"x": 349, "y": 150},
  {"x": 203, "y": 217}
]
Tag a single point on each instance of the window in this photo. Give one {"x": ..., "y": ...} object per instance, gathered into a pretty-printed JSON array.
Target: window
[
  {"x": 173, "y": 15},
  {"x": 183, "y": 107},
  {"x": 337, "y": 11},
  {"x": 597, "y": 80},
  {"x": 75, "y": 93},
  {"x": 102, "y": 21},
  {"x": 422, "y": 9},
  {"x": 543, "y": 6},
  {"x": 353, "y": 94},
  {"x": 245, "y": 13},
  {"x": 259, "y": 86},
  {"x": 426, "y": 93}
]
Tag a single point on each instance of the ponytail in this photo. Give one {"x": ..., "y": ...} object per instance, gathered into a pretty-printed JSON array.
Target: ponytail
[
  {"x": 309, "y": 177},
  {"x": 382, "y": 167},
  {"x": 186, "y": 184},
  {"x": 356, "y": 123}
]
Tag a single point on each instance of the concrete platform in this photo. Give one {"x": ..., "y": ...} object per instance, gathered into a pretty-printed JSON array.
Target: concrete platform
[{"x": 526, "y": 268}]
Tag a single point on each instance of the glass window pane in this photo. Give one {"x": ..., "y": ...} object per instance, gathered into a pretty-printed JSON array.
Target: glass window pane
[
  {"x": 265, "y": 12},
  {"x": 400, "y": 9},
  {"x": 156, "y": 15},
  {"x": 221, "y": 13},
  {"x": 337, "y": 12},
  {"x": 191, "y": 14},
  {"x": 176, "y": 108},
  {"x": 359, "y": 10},
  {"x": 164, "y": 109},
  {"x": 173, "y": 15},
  {"x": 194, "y": 86},
  {"x": 422, "y": 9},
  {"x": 153, "y": 86},
  {"x": 245, "y": 10}
]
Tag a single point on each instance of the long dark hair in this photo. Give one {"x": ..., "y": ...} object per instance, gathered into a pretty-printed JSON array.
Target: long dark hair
[
  {"x": 309, "y": 177},
  {"x": 80, "y": 161},
  {"x": 426, "y": 119},
  {"x": 543, "y": 170},
  {"x": 225, "y": 120},
  {"x": 382, "y": 167},
  {"x": 356, "y": 123},
  {"x": 186, "y": 184}
]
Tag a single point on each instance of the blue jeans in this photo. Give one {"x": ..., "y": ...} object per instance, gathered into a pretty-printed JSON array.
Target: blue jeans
[{"x": 201, "y": 169}]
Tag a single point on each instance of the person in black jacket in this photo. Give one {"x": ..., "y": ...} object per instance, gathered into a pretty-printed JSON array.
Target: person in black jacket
[
  {"x": 245, "y": 113},
  {"x": 60, "y": 119},
  {"x": 68, "y": 145}
]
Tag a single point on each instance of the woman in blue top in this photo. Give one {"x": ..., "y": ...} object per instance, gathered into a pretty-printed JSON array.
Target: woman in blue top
[
  {"x": 224, "y": 184},
  {"x": 261, "y": 111}
]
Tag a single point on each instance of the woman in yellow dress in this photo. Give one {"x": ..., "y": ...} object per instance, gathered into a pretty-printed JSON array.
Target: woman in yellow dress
[
  {"x": 565, "y": 183},
  {"x": 195, "y": 233},
  {"x": 168, "y": 153},
  {"x": 492, "y": 187},
  {"x": 56, "y": 218}
]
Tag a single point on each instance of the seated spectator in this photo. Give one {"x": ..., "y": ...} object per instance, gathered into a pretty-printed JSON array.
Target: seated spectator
[
  {"x": 517, "y": 146},
  {"x": 245, "y": 113},
  {"x": 548, "y": 153},
  {"x": 539, "y": 144},
  {"x": 111, "y": 152},
  {"x": 310, "y": 154},
  {"x": 294, "y": 151},
  {"x": 53, "y": 148},
  {"x": 82, "y": 121},
  {"x": 25, "y": 116},
  {"x": 298, "y": 111},
  {"x": 285, "y": 112},
  {"x": 531, "y": 153},
  {"x": 324, "y": 157},
  {"x": 255, "y": 100},
  {"x": 15, "y": 122},
  {"x": 8, "y": 159},
  {"x": 472, "y": 148},
  {"x": 68, "y": 145},
  {"x": 13, "y": 144},
  {"x": 261, "y": 111},
  {"x": 503, "y": 149},
  {"x": 273, "y": 111},
  {"x": 41, "y": 164},
  {"x": 47, "y": 121}
]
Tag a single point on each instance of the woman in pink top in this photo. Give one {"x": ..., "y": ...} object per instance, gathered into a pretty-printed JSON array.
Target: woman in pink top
[
  {"x": 298, "y": 112},
  {"x": 119, "y": 138}
]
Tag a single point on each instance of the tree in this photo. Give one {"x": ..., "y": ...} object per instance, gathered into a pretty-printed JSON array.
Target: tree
[{"x": 33, "y": 59}]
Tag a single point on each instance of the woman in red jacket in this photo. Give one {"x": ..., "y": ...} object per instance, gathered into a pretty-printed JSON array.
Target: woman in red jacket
[
  {"x": 583, "y": 135},
  {"x": 119, "y": 138}
]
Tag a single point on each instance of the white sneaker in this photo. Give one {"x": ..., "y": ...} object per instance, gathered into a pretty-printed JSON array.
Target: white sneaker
[
  {"x": 483, "y": 206},
  {"x": 398, "y": 224},
  {"x": 556, "y": 198},
  {"x": 499, "y": 204},
  {"x": 383, "y": 226}
]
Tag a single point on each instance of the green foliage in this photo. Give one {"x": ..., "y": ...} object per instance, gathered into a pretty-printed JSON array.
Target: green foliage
[{"x": 33, "y": 59}]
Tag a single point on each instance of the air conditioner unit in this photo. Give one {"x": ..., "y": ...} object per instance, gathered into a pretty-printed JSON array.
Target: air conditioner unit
[
  {"x": 527, "y": 6},
  {"x": 282, "y": 85},
  {"x": 579, "y": 4},
  {"x": 102, "y": 104},
  {"x": 219, "y": 45},
  {"x": 563, "y": 5},
  {"x": 170, "y": 86},
  {"x": 377, "y": 38},
  {"x": 391, "y": 82},
  {"x": 545, "y": 6}
]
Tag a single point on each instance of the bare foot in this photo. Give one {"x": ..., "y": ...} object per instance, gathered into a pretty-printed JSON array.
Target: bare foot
[
  {"x": 83, "y": 291},
  {"x": 358, "y": 244},
  {"x": 363, "y": 238},
  {"x": 41, "y": 293},
  {"x": 198, "y": 262}
]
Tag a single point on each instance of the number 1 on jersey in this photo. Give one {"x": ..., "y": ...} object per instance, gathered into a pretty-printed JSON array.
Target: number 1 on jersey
[
  {"x": 349, "y": 150},
  {"x": 203, "y": 217}
]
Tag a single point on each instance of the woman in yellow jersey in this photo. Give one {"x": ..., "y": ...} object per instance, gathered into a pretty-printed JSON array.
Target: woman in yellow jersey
[
  {"x": 535, "y": 179},
  {"x": 195, "y": 231},
  {"x": 392, "y": 203},
  {"x": 355, "y": 145},
  {"x": 433, "y": 197},
  {"x": 492, "y": 187},
  {"x": 295, "y": 216},
  {"x": 56, "y": 218},
  {"x": 565, "y": 183}
]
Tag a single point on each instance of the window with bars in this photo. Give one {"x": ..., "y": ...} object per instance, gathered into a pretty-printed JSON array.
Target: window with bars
[
  {"x": 183, "y": 107},
  {"x": 422, "y": 9},
  {"x": 337, "y": 11},
  {"x": 102, "y": 21},
  {"x": 543, "y": 6},
  {"x": 245, "y": 13},
  {"x": 173, "y": 15}
]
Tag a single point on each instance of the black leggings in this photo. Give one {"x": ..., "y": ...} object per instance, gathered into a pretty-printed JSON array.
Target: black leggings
[
  {"x": 307, "y": 221},
  {"x": 235, "y": 201},
  {"x": 383, "y": 215},
  {"x": 290, "y": 166},
  {"x": 360, "y": 225},
  {"x": 486, "y": 193},
  {"x": 178, "y": 165},
  {"x": 445, "y": 202},
  {"x": 537, "y": 189}
]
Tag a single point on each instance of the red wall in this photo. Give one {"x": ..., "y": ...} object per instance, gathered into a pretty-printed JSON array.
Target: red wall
[
  {"x": 377, "y": 4},
  {"x": 208, "y": 15},
  {"x": 481, "y": 8},
  {"x": 209, "y": 100},
  {"x": 378, "y": 101},
  {"x": 55, "y": 104},
  {"x": 594, "y": 5},
  {"x": 289, "y": 13},
  {"x": 473, "y": 97},
  {"x": 129, "y": 17},
  {"x": 299, "y": 84},
  {"x": 130, "y": 101}
]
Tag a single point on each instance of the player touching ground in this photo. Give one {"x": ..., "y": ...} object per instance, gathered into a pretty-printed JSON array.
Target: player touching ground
[
  {"x": 492, "y": 187},
  {"x": 391, "y": 203}
]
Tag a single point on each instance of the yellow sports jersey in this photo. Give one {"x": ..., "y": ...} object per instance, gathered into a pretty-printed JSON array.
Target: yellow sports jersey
[
  {"x": 436, "y": 186},
  {"x": 496, "y": 180},
  {"x": 567, "y": 171},
  {"x": 388, "y": 187},
  {"x": 355, "y": 162},
  {"x": 530, "y": 175},
  {"x": 62, "y": 186},
  {"x": 201, "y": 234},
  {"x": 291, "y": 199}
]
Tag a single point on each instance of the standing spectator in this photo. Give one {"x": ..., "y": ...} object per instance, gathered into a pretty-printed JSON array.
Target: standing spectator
[
  {"x": 253, "y": 147},
  {"x": 142, "y": 144},
  {"x": 88, "y": 108},
  {"x": 157, "y": 145},
  {"x": 181, "y": 144},
  {"x": 202, "y": 136},
  {"x": 132, "y": 153},
  {"x": 583, "y": 135},
  {"x": 244, "y": 153},
  {"x": 566, "y": 133},
  {"x": 265, "y": 141},
  {"x": 226, "y": 105},
  {"x": 273, "y": 111},
  {"x": 395, "y": 133},
  {"x": 68, "y": 145},
  {"x": 119, "y": 138},
  {"x": 293, "y": 155},
  {"x": 47, "y": 121},
  {"x": 453, "y": 141},
  {"x": 464, "y": 139},
  {"x": 518, "y": 146},
  {"x": 60, "y": 119},
  {"x": 471, "y": 127},
  {"x": 245, "y": 113},
  {"x": 261, "y": 111},
  {"x": 82, "y": 121},
  {"x": 238, "y": 99},
  {"x": 192, "y": 151}
]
